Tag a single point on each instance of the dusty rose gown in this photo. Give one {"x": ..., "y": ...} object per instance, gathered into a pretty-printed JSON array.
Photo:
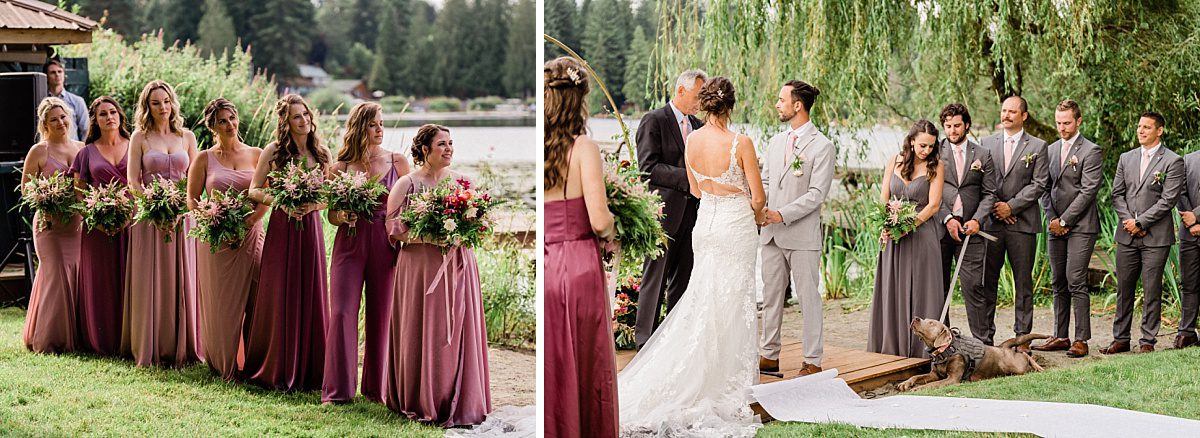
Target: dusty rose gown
[
  {"x": 101, "y": 264},
  {"x": 50, "y": 320}
]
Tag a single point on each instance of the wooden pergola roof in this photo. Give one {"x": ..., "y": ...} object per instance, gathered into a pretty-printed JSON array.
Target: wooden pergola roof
[{"x": 31, "y": 22}]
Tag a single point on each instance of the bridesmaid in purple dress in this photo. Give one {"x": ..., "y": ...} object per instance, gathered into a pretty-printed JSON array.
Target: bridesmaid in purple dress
[
  {"x": 365, "y": 259},
  {"x": 50, "y": 319},
  {"x": 437, "y": 370},
  {"x": 287, "y": 317},
  {"x": 102, "y": 252},
  {"x": 226, "y": 278},
  {"x": 160, "y": 283},
  {"x": 580, "y": 355}
]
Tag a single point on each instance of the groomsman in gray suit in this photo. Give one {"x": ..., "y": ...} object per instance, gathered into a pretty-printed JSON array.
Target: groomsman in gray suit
[
  {"x": 798, "y": 173},
  {"x": 1076, "y": 169},
  {"x": 967, "y": 198},
  {"x": 1145, "y": 189},
  {"x": 1189, "y": 251},
  {"x": 1024, "y": 176}
]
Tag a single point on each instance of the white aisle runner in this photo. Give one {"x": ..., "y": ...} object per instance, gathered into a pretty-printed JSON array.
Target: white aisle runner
[{"x": 824, "y": 398}]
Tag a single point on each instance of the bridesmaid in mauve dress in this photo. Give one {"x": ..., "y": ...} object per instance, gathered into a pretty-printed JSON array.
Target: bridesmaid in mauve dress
[
  {"x": 908, "y": 280},
  {"x": 50, "y": 319},
  {"x": 226, "y": 278},
  {"x": 437, "y": 370},
  {"x": 580, "y": 355},
  {"x": 365, "y": 259},
  {"x": 160, "y": 283},
  {"x": 287, "y": 318},
  {"x": 102, "y": 252}
]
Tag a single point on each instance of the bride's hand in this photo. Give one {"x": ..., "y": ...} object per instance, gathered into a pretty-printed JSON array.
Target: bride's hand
[{"x": 760, "y": 217}]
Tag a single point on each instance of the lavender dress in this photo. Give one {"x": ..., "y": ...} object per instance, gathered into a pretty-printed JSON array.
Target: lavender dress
[
  {"x": 366, "y": 258},
  {"x": 437, "y": 368},
  {"x": 50, "y": 319},
  {"x": 226, "y": 280},
  {"x": 101, "y": 282},
  {"x": 160, "y": 284}
]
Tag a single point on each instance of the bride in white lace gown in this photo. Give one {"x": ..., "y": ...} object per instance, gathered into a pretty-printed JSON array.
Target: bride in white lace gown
[{"x": 692, "y": 378}]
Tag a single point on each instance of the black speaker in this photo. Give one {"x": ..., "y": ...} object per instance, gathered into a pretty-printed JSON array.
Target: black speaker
[{"x": 21, "y": 94}]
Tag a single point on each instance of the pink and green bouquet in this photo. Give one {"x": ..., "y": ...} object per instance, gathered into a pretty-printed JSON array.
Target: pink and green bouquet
[
  {"x": 107, "y": 208},
  {"x": 221, "y": 218},
  {"x": 451, "y": 213},
  {"x": 637, "y": 212},
  {"x": 163, "y": 203},
  {"x": 353, "y": 192},
  {"x": 295, "y": 185},
  {"x": 898, "y": 217},
  {"x": 53, "y": 196}
]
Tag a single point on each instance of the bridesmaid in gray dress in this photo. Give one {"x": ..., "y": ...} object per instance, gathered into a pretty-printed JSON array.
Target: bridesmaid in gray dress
[{"x": 908, "y": 281}]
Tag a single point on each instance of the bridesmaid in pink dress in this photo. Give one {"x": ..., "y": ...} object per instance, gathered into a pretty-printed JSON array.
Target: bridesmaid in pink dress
[
  {"x": 160, "y": 283},
  {"x": 287, "y": 317},
  {"x": 226, "y": 278},
  {"x": 580, "y": 356},
  {"x": 365, "y": 259},
  {"x": 437, "y": 370},
  {"x": 50, "y": 319},
  {"x": 102, "y": 252}
]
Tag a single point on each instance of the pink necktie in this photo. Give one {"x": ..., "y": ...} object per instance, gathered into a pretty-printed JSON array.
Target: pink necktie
[
  {"x": 1066, "y": 149},
  {"x": 1145, "y": 164},
  {"x": 683, "y": 128},
  {"x": 959, "y": 161},
  {"x": 1008, "y": 152},
  {"x": 791, "y": 147}
]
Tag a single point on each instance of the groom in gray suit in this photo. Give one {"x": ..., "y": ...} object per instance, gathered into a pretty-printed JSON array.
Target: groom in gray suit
[
  {"x": 1076, "y": 169},
  {"x": 1145, "y": 189},
  {"x": 1189, "y": 252},
  {"x": 798, "y": 172},
  {"x": 1023, "y": 176}
]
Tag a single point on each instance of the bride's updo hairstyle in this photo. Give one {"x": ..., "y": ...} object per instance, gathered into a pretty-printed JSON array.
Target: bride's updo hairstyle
[{"x": 717, "y": 97}]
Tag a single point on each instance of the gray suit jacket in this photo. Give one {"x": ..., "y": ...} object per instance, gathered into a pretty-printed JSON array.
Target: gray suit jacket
[
  {"x": 977, "y": 187},
  {"x": 1022, "y": 183},
  {"x": 1073, "y": 186},
  {"x": 798, "y": 198},
  {"x": 1148, "y": 200},
  {"x": 1190, "y": 198}
]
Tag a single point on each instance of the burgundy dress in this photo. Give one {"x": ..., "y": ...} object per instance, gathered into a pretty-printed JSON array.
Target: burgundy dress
[
  {"x": 50, "y": 319},
  {"x": 160, "y": 284},
  {"x": 580, "y": 356},
  {"x": 226, "y": 280},
  {"x": 366, "y": 258},
  {"x": 101, "y": 264},
  {"x": 288, "y": 316},
  {"x": 437, "y": 368}
]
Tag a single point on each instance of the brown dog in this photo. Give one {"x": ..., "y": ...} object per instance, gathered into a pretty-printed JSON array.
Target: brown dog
[{"x": 952, "y": 363}]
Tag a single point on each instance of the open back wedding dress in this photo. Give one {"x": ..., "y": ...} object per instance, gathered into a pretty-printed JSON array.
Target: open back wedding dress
[{"x": 692, "y": 378}]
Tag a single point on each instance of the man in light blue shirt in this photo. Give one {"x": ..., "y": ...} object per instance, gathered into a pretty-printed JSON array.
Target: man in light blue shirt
[{"x": 56, "y": 78}]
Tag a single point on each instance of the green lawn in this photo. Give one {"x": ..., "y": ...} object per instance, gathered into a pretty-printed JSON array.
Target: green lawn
[
  {"x": 71, "y": 395},
  {"x": 1166, "y": 382}
]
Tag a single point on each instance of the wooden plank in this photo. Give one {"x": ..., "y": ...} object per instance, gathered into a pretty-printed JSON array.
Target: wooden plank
[{"x": 45, "y": 36}]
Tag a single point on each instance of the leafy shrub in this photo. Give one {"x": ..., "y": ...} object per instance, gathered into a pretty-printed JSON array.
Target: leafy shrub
[
  {"x": 444, "y": 104},
  {"x": 394, "y": 104},
  {"x": 488, "y": 103},
  {"x": 330, "y": 101}
]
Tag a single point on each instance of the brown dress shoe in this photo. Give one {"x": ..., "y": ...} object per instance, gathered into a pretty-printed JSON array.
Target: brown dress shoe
[
  {"x": 808, "y": 368},
  {"x": 1054, "y": 344},
  {"x": 1078, "y": 349},
  {"x": 769, "y": 365},
  {"x": 1184, "y": 341},
  {"x": 1116, "y": 347},
  {"x": 1146, "y": 348}
]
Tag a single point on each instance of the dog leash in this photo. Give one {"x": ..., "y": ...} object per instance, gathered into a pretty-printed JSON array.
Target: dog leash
[{"x": 957, "y": 266}]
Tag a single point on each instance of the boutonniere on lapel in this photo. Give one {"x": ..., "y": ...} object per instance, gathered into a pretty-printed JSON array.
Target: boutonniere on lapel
[
  {"x": 1159, "y": 177},
  {"x": 798, "y": 165},
  {"x": 1073, "y": 161},
  {"x": 1028, "y": 158},
  {"x": 977, "y": 166}
]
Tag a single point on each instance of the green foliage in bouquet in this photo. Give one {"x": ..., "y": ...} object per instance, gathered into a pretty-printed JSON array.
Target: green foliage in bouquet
[
  {"x": 353, "y": 192},
  {"x": 450, "y": 213},
  {"x": 162, "y": 203},
  {"x": 221, "y": 218},
  {"x": 898, "y": 217},
  {"x": 637, "y": 212},
  {"x": 53, "y": 196},
  {"x": 106, "y": 207}
]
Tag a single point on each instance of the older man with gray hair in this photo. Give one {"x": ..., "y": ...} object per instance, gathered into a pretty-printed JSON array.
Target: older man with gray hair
[{"x": 660, "y": 148}]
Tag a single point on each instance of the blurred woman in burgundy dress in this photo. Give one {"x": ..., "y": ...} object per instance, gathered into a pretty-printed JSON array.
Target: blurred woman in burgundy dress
[
  {"x": 102, "y": 252},
  {"x": 580, "y": 356},
  {"x": 50, "y": 319},
  {"x": 287, "y": 317},
  {"x": 228, "y": 276},
  {"x": 437, "y": 370},
  {"x": 160, "y": 281},
  {"x": 365, "y": 258}
]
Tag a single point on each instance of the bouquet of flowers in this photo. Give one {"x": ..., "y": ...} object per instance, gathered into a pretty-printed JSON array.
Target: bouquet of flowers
[
  {"x": 220, "y": 218},
  {"x": 625, "y": 314},
  {"x": 450, "y": 213},
  {"x": 53, "y": 196},
  {"x": 295, "y": 185},
  {"x": 898, "y": 217},
  {"x": 162, "y": 203},
  {"x": 107, "y": 208},
  {"x": 353, "y": 192},
  {"x": 637, "y": 212}
]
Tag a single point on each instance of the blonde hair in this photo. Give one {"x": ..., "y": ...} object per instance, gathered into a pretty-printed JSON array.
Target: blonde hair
[
  {"x": 43, "y": 111},
  {"x": 355, "y": 143},
  {"x": 144, "y": 121}
]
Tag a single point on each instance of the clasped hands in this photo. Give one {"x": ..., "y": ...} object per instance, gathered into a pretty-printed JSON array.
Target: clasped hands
[
  {"x": 956, "y": 229},
  {"x": 1131, "y": 227},
  {"x": 1003, "y": 212},
  {"x": 1189, "y": 221},
  {"x": 770, "y": 217}
]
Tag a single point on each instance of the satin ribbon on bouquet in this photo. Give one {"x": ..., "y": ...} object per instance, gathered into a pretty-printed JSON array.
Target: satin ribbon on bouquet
[
  {"x": 954, "y": 278},
  {"x": 610, "y": 280},
  {"x": 442, "y": 277}
]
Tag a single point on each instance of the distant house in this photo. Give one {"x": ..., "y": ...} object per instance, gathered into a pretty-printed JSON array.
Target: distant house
[
  {"x": 311, "y": 78},
  {"x": 354, "y": 87}
]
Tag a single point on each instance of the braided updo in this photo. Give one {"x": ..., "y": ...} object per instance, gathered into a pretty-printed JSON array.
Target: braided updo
[
  {"x": 565, "y": 94},
  {"x": 717, "y": 97}
]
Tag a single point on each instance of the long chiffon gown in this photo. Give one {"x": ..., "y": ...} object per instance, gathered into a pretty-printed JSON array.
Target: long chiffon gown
[
  {"x": 908, "y": 281},
  {"x": 101, "y": 263},
  {"x": 50, "y": 319},
  {"x": 437, "y": 370},
  {"x": 580, "y": 355},
  {"x": 227, "y": 279},
  {"x": 368, "y": 259},
  {"x": 160, "y": 284},
  {"x": 288, "y": 316}
]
